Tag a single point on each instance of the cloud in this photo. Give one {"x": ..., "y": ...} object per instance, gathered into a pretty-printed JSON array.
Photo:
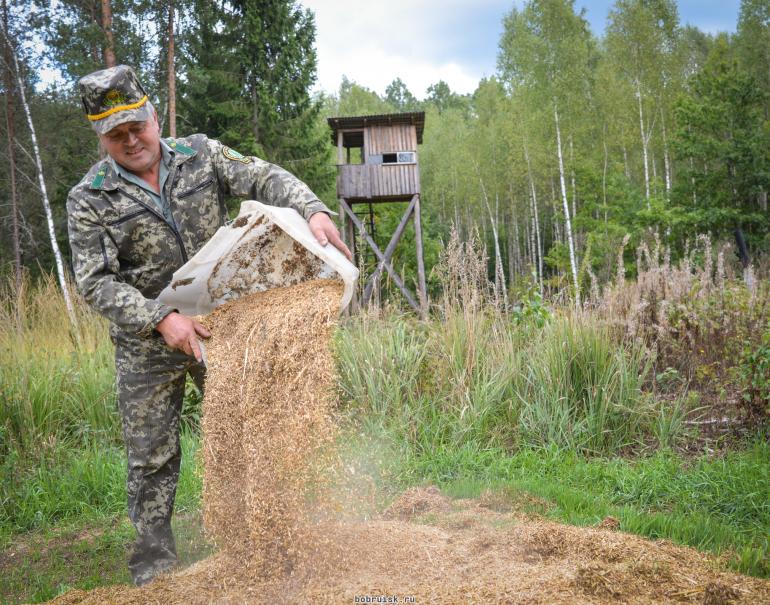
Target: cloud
[
  {"x": 420, "y": 42},
  {"x": 424, "y": 41}
]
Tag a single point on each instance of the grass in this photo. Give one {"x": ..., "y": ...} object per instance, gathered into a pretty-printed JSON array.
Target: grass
[
  {"x": 554, "y": 407},
  {"x": 64, "y": 483},
  {"x": 477, "y": 379},
  {"x": 56, "y": 381},
  {"x": 47, "y": 563}
]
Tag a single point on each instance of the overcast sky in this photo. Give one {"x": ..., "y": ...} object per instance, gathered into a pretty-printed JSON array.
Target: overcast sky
[{"x": 424, "y": 41}]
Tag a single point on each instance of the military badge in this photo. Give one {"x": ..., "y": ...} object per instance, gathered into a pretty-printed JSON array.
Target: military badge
[
  {"x": 114, "y": 98},
  {"x": 231, "y": 154}
]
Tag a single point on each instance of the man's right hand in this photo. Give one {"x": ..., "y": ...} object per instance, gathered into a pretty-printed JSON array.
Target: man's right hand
[{"x": 181, "y": 332}]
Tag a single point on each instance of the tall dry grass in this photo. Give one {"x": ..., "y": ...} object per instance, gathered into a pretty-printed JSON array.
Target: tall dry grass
[
  {"x": 56, "y": 381},
  {"x": 699, "y": 318},
  {"x": 477, "y": 375}
]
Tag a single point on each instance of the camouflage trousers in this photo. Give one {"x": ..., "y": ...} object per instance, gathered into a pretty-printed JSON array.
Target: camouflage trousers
[{"x": 151, "y": 382}]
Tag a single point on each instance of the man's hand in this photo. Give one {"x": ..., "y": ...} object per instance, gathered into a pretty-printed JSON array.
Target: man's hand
[
  {"x": 181, "y": 332},
  {"x": 325, "y": 231}
]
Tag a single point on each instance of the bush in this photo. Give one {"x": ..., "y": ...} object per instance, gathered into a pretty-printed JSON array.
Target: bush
[{"x": 754, "y": 372}]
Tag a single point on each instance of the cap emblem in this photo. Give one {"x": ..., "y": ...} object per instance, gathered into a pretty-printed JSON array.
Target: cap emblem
[{"x": 114, "y": 97}]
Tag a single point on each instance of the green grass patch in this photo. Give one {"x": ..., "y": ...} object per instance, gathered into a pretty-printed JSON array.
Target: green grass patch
[{"x": 87, "y": 483}]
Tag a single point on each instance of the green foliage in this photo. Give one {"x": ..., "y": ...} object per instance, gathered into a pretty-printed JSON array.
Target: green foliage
[
  {"x": 60, "y": 482},
  {"x": 754, "y": 372},
  {"x": 55, "y": 384},
  {"x": 712, "y": 503},
  {"x": 356, "y": 100},
  {"x": 400, "y": 97},
  {"x": 580, "y": 391},
  {"x": 253, "y": 63},
  {"x": 722, "y": 122},
  {"x": 530, "y": 306},
  {"x": 77, "y": 40}
]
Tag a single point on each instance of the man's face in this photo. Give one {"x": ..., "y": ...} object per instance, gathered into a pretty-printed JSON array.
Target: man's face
[{"x": 134, "y": 145}]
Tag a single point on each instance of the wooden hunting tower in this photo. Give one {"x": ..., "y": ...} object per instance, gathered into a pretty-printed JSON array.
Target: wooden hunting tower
[{"x": 384, "y": 169}]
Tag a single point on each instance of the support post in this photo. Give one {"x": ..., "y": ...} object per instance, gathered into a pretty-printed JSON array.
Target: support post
[
  {"x": 375, "y": 277},
  {"x": 378, "y": 253},
  {"x": 422, "y": 292}
]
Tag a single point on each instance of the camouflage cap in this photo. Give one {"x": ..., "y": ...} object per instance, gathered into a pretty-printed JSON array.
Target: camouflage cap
[{"x": 113, "y": 96}]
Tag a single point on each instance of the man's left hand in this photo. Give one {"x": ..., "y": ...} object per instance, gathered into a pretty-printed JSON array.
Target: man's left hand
[{"x": 325, "y": 231}]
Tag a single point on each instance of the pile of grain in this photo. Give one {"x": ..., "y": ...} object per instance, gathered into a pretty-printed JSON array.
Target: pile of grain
[{"x": 267, "y": 424}]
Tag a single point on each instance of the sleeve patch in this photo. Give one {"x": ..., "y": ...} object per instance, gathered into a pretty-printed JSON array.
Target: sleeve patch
[{"x": 233, "y": 155}]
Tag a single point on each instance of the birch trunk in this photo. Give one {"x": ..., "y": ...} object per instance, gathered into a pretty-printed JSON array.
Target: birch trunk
[
  {"x": 509, "y": 246},
  {"x": 9, "y": 122},
  {"x": 554, "y": 199},
  {"x": 533, "y": 195},
  {"x": 604, "y": 174},
  {"x": 43, "y": 190},
  {"x": 644, "y": 145},
  {"x": 516, "y": 241},
  {"x": 171, "y": 73},
  {"x": 666, "y": 157},
  {"x": 499, "y": 273},
  {"x": 572, "y": 177},
  {"x": 109, "y": 47},
  {"x": 626, "y": 170},
  {"x": 568, "y": 222}
]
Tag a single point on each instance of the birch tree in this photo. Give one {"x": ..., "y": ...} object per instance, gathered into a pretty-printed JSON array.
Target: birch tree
[
  {"x": 641, "y": 41},
  {"x": 41, "y": 184},
  {"x": 546, "y": 48}
]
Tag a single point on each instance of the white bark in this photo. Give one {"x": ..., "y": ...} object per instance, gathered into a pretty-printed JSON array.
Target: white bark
[
  {"x": 568, "y": 222},
  {"x": 572, "y": 178},
  {"x": 499, "y": 273},
  {"x": 533, "y": 195},
  {"x": 666, "y": 157},
  {"x": 556, "y": 231},
  {"x": 516, "y": 240},
  {"x": 43, "y": 190},
  {"x": 626, "y": 171},
  {"x": 604, "y": 174},
  {"x": 645, "y": 139}
]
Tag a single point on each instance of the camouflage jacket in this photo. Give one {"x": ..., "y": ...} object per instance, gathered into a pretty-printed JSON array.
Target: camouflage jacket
[{"x": 124, "y": 252}]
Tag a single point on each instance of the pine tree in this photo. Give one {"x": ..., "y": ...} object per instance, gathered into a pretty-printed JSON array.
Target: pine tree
[
  {"x": 212, "y": 99},
  {"x": 278, "y": 54},
  {"x": 399, "y": 96},
  {"x": 86, "y": 35},
  {"x": 722, "y": 126}
]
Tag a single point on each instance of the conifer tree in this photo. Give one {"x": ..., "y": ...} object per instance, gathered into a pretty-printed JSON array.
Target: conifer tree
[
  {"x": 722, "y": 125},
  {"x": 279, "y": 59}
]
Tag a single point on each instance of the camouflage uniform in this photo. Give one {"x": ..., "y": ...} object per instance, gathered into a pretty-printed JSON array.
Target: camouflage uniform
[{"x": 124, "y": 253}]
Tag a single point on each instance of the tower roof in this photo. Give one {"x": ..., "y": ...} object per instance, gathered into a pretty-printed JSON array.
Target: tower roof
[{"x": 417, "y": 118}]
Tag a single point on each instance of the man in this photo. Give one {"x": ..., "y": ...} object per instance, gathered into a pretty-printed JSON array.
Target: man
[{"x": 134, "y": 219}]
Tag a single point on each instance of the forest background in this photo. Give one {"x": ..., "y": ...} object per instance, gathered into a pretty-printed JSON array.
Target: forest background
[
  {"x": 609, "y": 170},
  {"x": 575, "y": 145}
]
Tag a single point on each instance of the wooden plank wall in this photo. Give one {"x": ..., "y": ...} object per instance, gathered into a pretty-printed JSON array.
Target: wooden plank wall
[
  {"x": 385, "y": 139},
  {"x": 356, "y": 181}
]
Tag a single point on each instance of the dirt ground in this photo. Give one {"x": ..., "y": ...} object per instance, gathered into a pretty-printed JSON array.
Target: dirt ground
[{"x": 427, "y": 548}]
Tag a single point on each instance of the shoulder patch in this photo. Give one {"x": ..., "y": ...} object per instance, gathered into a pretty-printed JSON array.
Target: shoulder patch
[
  {"x": 98, "y": 179},
  {"x": 233, "y": 155},
  {"x": 176, "y": 146}
]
